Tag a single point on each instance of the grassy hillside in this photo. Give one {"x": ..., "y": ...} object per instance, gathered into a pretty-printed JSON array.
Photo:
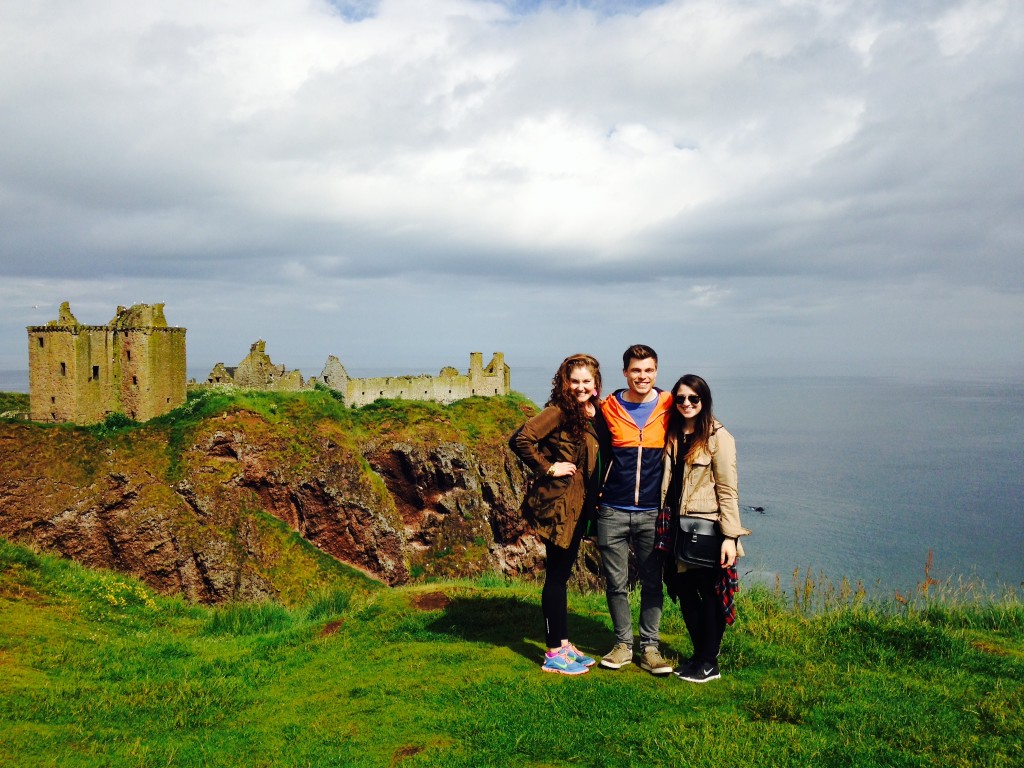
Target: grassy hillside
[{"x": 97, "y": 671}]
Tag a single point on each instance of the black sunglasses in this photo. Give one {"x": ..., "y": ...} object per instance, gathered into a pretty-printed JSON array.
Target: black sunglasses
[{"x": 681, "y": 399}]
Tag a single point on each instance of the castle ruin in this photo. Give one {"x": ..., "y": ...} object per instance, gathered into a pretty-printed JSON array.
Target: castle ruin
[
  {"x": 447, "y": 387},
  {"x": 134, "y": 365},
  {"x": 257, "y": 371}
]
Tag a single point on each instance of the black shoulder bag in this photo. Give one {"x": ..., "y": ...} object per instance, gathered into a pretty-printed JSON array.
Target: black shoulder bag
[{"x": 698, "y": 542}]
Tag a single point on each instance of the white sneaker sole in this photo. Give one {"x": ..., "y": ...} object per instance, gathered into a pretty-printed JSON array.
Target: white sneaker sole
[
  {"x": 556, "y": 671},
  {"x": 700, "y": 680},
  {"x": 655, "y": 670},
  {"x": 612, "y": 665}
]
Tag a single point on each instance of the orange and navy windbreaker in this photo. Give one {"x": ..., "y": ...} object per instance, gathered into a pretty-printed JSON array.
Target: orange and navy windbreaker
[{"x": 634, "y": 473}]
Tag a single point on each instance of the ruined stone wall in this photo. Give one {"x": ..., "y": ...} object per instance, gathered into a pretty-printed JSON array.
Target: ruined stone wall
[
  {"x": 442, "y": 388},
  {"x": 447, "y": 387},
  {"x": 82, "y": 373},
  {"x": 495, "y": 379},
  {"x": 257, "y": 371},
  {"x": 334, "y": 375},
  {"x": 221, "y": 374}
]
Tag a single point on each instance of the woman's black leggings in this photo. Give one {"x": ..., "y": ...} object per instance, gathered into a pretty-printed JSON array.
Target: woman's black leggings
[
  {"x": 702, "y": 612},
  {"x": 553, "y": 600}
]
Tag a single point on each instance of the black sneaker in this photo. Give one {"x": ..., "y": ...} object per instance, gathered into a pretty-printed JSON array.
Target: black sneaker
[
  {"x": 684, "y": 669},
  {"x": 699, "y": 672}
]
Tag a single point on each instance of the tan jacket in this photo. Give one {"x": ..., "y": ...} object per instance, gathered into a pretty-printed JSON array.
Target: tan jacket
[
  {"x": 554, "y": 505},
  {"x": 710, "y": 487}
]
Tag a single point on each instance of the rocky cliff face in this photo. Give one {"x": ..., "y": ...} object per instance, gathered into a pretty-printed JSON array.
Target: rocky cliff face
[{"x": 195, "y": 512}]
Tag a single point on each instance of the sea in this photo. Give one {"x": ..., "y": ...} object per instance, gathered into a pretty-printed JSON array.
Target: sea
[{"x": 872, "y": 479}]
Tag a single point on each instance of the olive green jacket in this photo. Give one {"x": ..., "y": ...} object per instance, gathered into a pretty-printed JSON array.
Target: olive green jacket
[{"x": 554, "y": 506}]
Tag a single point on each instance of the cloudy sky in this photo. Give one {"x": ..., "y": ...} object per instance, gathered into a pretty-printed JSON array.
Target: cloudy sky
[{"x": 800, "y": 185}]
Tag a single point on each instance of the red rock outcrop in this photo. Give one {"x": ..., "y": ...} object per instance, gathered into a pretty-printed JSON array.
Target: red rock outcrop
[{"x": 196, "y": 518}]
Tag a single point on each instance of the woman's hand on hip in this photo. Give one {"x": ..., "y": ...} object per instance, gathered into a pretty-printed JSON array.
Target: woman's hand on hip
[
  {"x": 562, "y": 469},
  {"x": 728, "y": 558}
]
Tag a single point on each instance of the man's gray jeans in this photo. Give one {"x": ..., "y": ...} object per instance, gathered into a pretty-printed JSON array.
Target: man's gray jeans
[{"x": 616, "y": 530}]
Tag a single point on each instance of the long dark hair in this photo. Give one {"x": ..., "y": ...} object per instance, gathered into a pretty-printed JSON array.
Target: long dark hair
[
  {"x": 573, "y": 412},
  {"x": 705, "y": 422}
]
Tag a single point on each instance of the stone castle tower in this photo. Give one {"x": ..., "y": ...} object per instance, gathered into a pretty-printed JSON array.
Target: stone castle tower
[{"x": 134, "y": 365}]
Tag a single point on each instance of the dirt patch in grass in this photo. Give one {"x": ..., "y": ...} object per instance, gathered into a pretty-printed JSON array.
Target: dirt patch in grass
[
  {"x": 985, "y": 647},
  {"x": 405, "y": 752},
  {"x": 15, "y": 591},
  {"x": 331, "y": 628},
  {"x": 432, "y": 601}
]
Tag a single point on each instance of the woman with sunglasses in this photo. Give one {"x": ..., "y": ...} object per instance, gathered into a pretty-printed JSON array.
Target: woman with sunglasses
[
  {"x": 699, "y": 479},
  {"x": 562, "y": 447}
]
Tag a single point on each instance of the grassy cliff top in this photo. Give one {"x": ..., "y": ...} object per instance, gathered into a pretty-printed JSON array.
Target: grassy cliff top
[
  {"x": 100, "y": 671},
  {"x": 472, "y": 418}
]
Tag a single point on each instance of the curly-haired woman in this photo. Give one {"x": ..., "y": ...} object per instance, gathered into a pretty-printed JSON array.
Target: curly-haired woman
[{"x": 561, "y": 445}]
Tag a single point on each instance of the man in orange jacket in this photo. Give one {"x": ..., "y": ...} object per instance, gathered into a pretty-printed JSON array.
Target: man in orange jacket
[{"x": 637, "y": 418}]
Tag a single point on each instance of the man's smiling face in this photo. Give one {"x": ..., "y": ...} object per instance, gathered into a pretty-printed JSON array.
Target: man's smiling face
[{"x": 641, "y": 375}]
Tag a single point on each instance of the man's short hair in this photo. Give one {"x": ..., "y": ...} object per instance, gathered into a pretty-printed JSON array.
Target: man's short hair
[{"x": 638, "y": 352}]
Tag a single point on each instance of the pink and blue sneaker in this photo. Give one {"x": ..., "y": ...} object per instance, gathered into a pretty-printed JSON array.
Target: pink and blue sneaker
[
  {"x": 561, "y": 664},
  {"x": 573, "y": 653}
]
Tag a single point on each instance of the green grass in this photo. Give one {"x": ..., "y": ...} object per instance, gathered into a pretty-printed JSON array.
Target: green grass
[
  {"x": 98, "y": 671},
  {"x": 481, "y": 416},
  {"x": 13, "y": 401}
]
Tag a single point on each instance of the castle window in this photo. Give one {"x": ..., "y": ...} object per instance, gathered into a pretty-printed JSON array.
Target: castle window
[
  {"x": 40, "y": 341},
  {"x": 95, "y": 373},
  {"x": 53, "y": 400},
  {"x": 63, "y": 369},
  {"x": 135, "y": 380},
  {"x": 129, "y": 355}
]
